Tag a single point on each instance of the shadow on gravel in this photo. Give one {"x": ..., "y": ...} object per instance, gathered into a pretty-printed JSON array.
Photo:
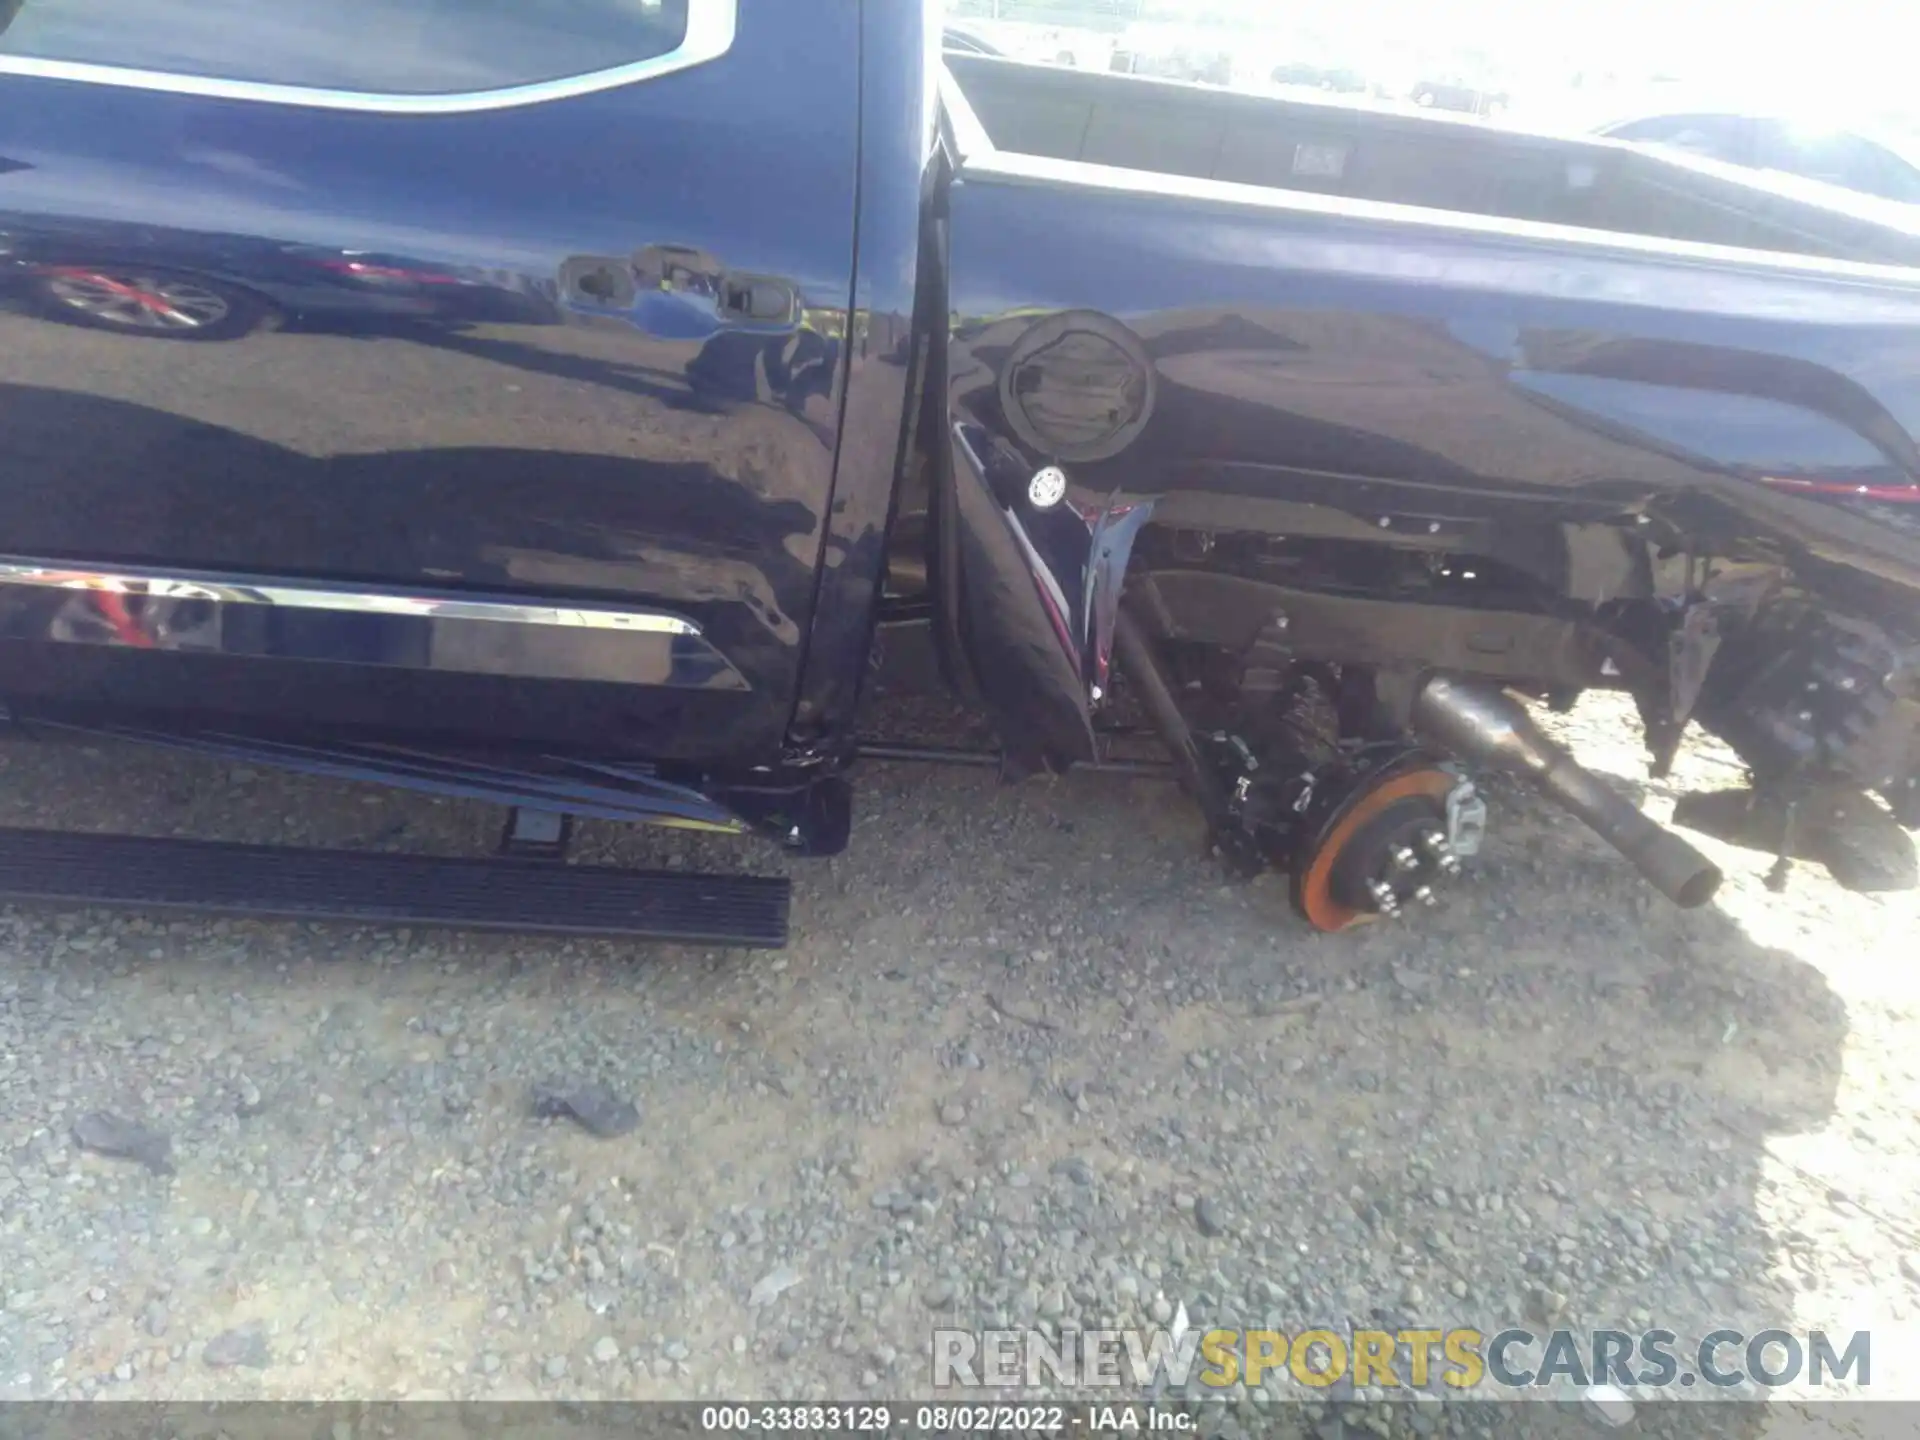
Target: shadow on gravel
[
  {"x": 1029, "y": 1060},
  {"x": 1546, "y": 1107}
]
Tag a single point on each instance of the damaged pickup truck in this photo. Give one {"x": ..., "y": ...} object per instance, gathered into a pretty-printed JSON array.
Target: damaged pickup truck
[{"x": 551, "y": 405}]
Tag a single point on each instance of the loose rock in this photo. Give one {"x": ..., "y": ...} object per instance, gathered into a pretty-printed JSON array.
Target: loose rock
[
  {"x": 110, "y": 1135},
  {"x": 1210, "y": 1217},
  {"x": 246, "y": 1346},
  {"x": 771, "y": 1286},
  {"x": 594, "y": 1107}
]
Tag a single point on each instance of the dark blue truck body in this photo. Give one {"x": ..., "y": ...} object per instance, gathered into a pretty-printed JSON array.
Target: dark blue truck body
[{"x": 602, "y": 420}]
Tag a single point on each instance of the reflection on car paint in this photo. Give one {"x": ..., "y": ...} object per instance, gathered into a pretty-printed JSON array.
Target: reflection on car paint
[
  {"x": 405, "y": 394},
  {"x": 233, "y": 616}
]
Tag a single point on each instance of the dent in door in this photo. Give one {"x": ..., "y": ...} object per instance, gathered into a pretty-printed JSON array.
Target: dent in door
[{"x": 411, "y": 387}]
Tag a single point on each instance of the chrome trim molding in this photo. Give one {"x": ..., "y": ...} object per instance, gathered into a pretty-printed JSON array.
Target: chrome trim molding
[
  {"x": 54, "y": 576},
  {"x": 1014, "y": 168},
  {"x": 711, "y": 27},
  {"x": 210, "y": 614}
]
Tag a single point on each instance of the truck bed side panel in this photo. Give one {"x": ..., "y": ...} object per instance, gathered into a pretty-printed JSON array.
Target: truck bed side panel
[{"x": 1314, "y": 372}]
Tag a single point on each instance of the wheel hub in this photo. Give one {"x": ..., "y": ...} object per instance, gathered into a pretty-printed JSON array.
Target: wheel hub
[
  {"x": 1396, "y": 861},
  {"x": 1387, "y": 848}
]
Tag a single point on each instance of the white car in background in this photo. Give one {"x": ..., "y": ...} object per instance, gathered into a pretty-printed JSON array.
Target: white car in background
[
  {"x": 1177, "y": 52},
  {"x": 1038, "y": 44}
]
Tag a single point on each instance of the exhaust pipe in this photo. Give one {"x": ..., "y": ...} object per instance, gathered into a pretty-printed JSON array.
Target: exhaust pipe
[{"x": 1483, "y": 724}]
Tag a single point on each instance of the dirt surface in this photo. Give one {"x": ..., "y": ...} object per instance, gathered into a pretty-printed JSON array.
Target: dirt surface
[{"x": 1029, "y": 1059}]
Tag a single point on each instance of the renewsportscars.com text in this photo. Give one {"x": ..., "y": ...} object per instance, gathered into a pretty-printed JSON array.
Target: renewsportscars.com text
[{"x": 1512, "y": 1359}]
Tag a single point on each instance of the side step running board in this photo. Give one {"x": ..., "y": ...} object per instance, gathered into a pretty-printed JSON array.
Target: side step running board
[{"x": 267, "y": 882}]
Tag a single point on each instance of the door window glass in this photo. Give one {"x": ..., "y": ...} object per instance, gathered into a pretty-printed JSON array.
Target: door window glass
[{"x": 383, "y": 47}]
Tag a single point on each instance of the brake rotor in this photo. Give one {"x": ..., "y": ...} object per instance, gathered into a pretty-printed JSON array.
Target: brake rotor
[{"x": 1349, "y": 871}]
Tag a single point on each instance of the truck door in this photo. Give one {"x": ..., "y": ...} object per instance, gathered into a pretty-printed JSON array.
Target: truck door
[{"x": 523, "y": 317}]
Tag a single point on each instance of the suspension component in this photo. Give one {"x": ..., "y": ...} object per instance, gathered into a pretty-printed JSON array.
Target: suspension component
[
  {"x": 1141, "y": 662},
  {"x": 1378, "y": 843},
  {"x": 1369, "y": 829},
  {"x": 1803, "y": 693}
]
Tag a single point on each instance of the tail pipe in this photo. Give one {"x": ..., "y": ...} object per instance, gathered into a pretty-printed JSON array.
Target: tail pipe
[{"x": 1482, "y": 724}]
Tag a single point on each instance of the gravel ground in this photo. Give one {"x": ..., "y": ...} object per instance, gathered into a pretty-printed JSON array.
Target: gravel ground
[{"x": 1028, "y": 1059}]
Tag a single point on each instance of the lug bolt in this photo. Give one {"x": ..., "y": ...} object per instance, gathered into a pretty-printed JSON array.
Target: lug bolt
[
  {"x": 1425, "y": 896},
  {"x": 1435, "y": 844},
  {"x": 1404, "y": 858},
  {"x": 1047, "y": 488}
]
